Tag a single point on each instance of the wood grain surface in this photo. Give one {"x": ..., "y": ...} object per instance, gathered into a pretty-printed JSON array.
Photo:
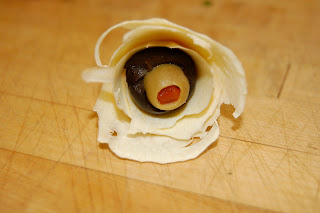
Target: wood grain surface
[{"x": 266, "y": 160}]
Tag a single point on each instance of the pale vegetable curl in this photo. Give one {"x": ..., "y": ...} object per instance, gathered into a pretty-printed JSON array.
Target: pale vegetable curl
[{"x": 165, "y": 138}]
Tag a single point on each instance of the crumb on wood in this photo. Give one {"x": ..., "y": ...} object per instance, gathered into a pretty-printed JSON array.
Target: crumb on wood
[{"x": 207, "y": 3}]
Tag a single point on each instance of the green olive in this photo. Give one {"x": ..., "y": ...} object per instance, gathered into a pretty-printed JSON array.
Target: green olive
[{"x": 167, "y": 87}]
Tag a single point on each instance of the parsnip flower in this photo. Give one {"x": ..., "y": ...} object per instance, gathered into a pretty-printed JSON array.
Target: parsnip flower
[{"x": 162, "y": 90}]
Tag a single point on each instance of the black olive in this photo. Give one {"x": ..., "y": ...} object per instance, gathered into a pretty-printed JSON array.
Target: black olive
[{"x": 147, "y": 59}]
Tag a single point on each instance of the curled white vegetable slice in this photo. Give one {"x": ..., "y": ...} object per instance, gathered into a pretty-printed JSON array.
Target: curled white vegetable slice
[{"x": 165, "y": 138}]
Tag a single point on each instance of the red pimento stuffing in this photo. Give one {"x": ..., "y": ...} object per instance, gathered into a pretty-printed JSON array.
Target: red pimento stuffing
[{"x": 169, "y": 94}]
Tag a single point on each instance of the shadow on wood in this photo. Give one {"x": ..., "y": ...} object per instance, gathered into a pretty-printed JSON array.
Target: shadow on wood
[{"x": 226, "y": 111}]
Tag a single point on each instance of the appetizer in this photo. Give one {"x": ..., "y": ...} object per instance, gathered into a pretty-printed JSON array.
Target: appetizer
[{"x": 162, "y": 91}]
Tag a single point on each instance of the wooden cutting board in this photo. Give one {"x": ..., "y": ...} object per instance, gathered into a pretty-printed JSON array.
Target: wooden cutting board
[{"x": 266, "y": 160}]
